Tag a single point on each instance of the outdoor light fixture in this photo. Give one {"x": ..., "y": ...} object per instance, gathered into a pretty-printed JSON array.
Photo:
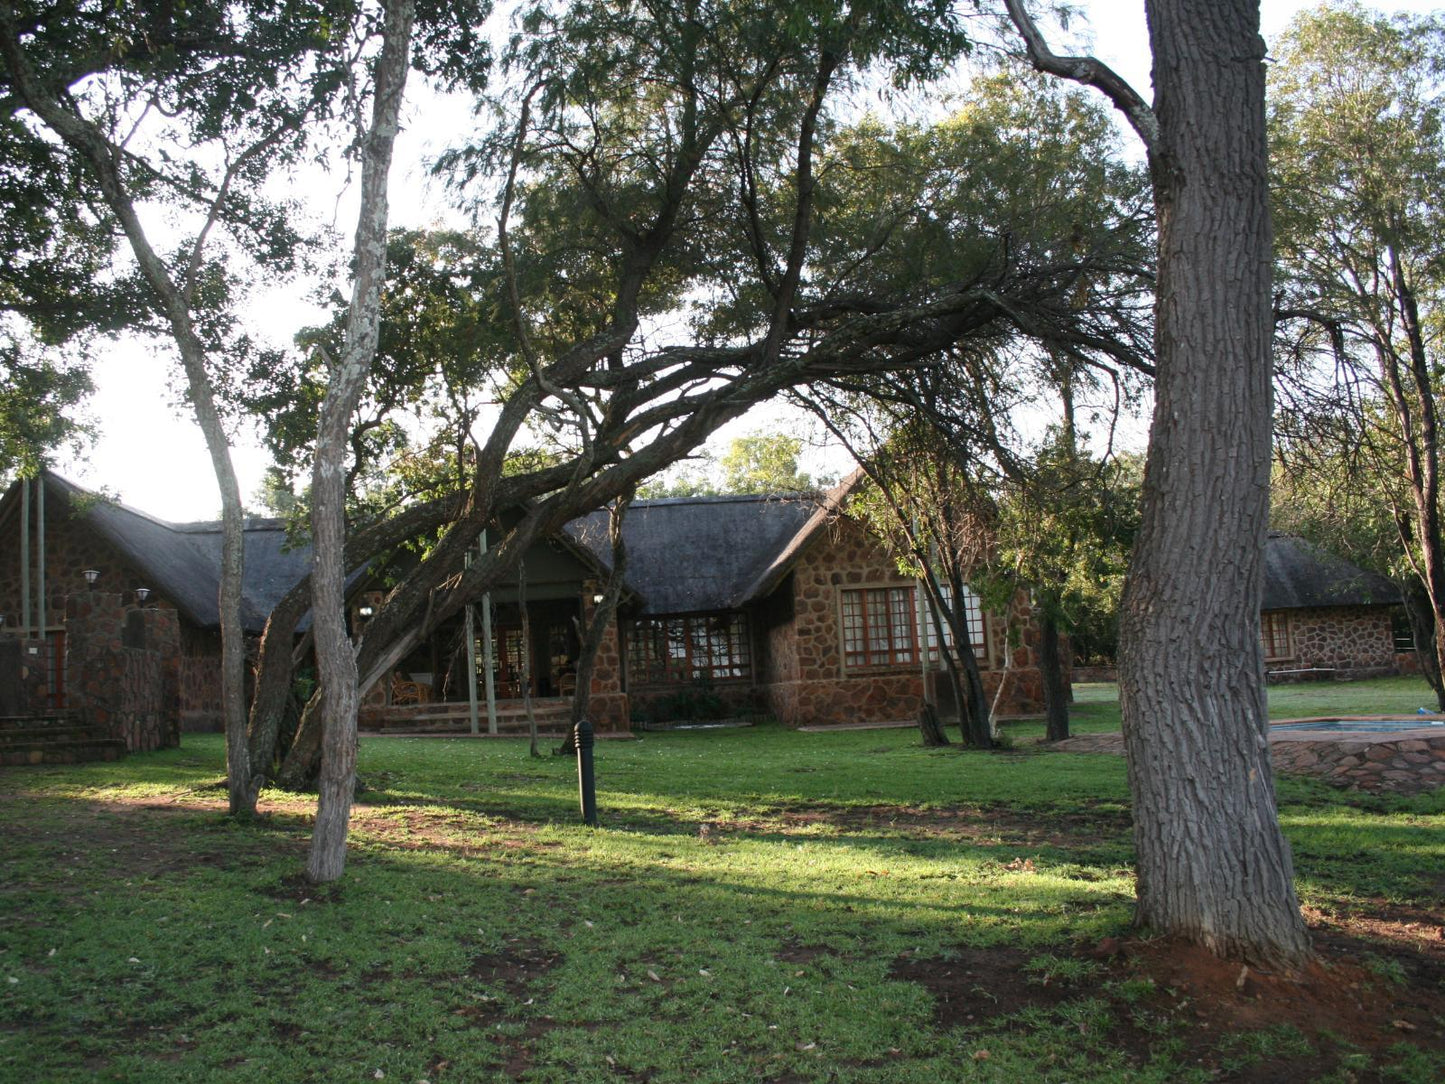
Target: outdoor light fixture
[
  {"x": 91, "y": 575},
  {"x": 142, "y": 593},
  {"x": 366, "y": 612},
  {"x": 597, "y": 600}
]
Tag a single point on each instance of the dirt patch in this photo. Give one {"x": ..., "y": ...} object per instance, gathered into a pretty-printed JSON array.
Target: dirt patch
[
  {"x": 296, "y": 888},
  {"x": 1161, "y": 990},
  {"x": 975, "y": 985},
  {"x": 514, "y": 969}
]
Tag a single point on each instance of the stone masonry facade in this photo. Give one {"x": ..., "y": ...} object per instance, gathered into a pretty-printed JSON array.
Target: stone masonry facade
[
  {"x": 124, "y": 663},
  {"x": 806, "y": 678},
  {"x": 608, "y": 707},
  {"x": 1354, "y": 641},
  {"x": 70, "y": 549}
]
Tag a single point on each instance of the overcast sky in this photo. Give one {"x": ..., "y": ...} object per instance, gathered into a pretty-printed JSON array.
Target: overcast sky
[{"x": 152, "y": 456}]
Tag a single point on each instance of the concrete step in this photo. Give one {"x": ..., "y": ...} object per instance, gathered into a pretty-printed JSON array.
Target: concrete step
[
  {"x": 63, "y": 752},
  {"x": 47, "y": 735},
  {"x": 31, "y": 722}
]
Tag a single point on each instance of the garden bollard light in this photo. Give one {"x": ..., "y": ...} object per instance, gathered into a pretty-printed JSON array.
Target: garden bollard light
[{"x": 585, "y": 782}]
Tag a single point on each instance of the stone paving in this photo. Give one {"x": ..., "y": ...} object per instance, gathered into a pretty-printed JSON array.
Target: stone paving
[{"x": 1404, "y": 762}]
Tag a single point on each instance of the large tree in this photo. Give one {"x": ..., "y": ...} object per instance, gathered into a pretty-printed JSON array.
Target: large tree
[
  {"x": 335, "y": 657},
  {"x": 1213, "y": 866},
  {"x": 1357, "y": 126}
]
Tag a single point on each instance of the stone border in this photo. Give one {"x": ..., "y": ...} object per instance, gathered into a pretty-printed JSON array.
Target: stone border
[
  {"x": 1382, "y": 762},
  {"x": 1399, "y": 762}
]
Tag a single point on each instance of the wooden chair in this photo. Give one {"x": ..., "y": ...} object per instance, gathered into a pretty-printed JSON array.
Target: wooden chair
[{"x": 408, "y": 692}]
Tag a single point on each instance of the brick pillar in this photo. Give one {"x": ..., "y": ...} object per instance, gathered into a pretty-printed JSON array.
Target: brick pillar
[
  {"x": 608, "y": 706},
  {"x": 123, "y": 665}
]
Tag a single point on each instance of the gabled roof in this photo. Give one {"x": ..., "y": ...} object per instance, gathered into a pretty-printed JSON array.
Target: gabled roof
[
  {"x": 1297, "y": 574},
  {"x": 686, "y": 554},
  {"x": 182, "y": 561},
  {"x": 691, "y": 554}
]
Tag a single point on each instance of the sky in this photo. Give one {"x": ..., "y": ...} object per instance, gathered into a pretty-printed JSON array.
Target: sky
[{"x": 149, "y": 452}]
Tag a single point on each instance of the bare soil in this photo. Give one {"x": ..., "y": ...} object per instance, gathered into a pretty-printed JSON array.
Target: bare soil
[{"x": 1339, "y": 1006}]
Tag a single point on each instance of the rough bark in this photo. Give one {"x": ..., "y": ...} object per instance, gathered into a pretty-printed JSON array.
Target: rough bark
[
  {"x": 335, "y": 657},
  {"x": 930, "y": 728},
  {"x": 1213, "y": 865},
  {"x": 1051, "y": 669}
]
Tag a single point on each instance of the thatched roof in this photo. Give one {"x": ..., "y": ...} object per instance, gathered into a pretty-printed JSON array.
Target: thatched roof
[
  {"x": 182, "y": 561},
  {"x": 1297, "y": 575},
  {"x": 688, "y": 554}
]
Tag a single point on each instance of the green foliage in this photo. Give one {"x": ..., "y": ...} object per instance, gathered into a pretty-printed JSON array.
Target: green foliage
[
  {"x": 38, "y": 397},
  {"x": 1357, "y": 128},
  {"x": 441, "y": 345}
]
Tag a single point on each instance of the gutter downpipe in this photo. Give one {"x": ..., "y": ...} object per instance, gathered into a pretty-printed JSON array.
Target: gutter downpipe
[
  {"x": 488, "y": 674},
  {"x": 25, "y": 558},
  {"x": 40, "y": 555}
]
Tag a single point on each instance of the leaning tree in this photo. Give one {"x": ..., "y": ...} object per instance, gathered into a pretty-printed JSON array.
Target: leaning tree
[{"x": 658, "y": 190}]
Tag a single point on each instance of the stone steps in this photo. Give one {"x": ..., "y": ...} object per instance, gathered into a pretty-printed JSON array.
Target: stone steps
[
  {"x": 60, "y": 738},
  {"x": 553, "y": 720}
]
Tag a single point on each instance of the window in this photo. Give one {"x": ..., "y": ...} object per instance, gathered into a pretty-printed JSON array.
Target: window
[
  {"x": 698, "y": 647},
  {"x": 1274, "y": 634},
  {"x": 879, "y": 626},
  {"x": 1401, "y": 629},
  {"x": 973, "y": 614}
]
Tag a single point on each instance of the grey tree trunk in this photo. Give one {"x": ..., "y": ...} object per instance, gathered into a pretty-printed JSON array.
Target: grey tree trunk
[
  {"x": 1213, "y": 865},
  {"x": 526, "y": 659},
  {"x": 335, "y": 657},
  {"x": 1051, "y": 669},
  {"x": 603, "y": 615}
]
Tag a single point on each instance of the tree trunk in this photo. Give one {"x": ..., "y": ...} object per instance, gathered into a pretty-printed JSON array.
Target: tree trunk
[
  {"x": 602, "y": 617},
  {"x": 930, "y": 727},
  {"x": 1421, "y": 615},
  {"x": 335, "y": 656},
  {"x": 173, "y": 298},
  {"x": 1051, "y": 669},
  {"x": 526, "y": 659},
  {"x": 1213, "y": 865}
]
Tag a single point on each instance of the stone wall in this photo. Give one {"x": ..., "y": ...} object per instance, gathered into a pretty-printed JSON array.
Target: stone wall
[
  {"x": 607, "y": 706},
  {"x": 1408, "y": 764},
  {"x": 123, "y": 666},
  {"x": 814, "y": 686},
  {"x": 1354, "y": 641},
  {"x": 201, "y": 710}
]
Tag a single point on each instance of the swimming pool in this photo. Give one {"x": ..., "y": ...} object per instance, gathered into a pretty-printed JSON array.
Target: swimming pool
[{"x": 1374, "y": 726}]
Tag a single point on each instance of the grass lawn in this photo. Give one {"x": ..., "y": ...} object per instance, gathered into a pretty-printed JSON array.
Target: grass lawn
[{"x": 759, "y": 905}]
